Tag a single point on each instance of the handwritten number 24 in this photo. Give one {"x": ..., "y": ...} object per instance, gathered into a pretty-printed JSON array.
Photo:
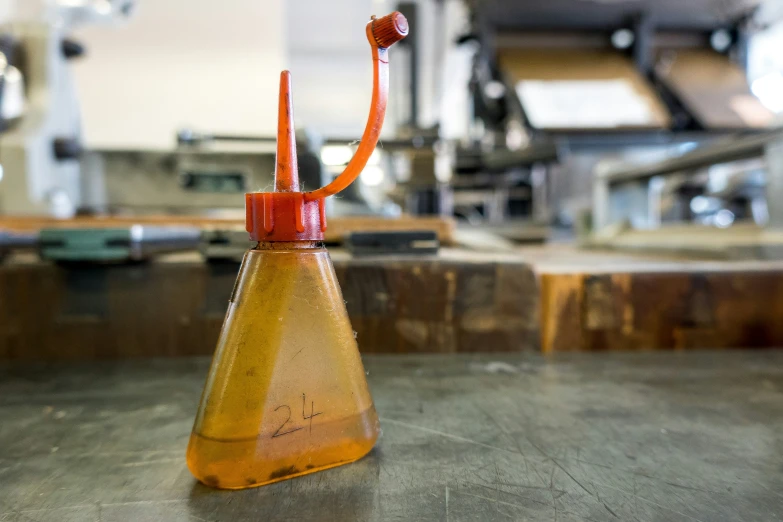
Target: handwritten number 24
[{"x": 285, "y": 429}]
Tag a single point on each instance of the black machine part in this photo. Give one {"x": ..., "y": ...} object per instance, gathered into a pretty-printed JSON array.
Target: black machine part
[
  {"x": 585, "y": 14},
  {"x": 72, "y": 49},
  {"x": 66, "y": 148},
  {"x": 8, "y": 49},
  {"x": 416, "y": 242},
  {"x": 14, "y": 241}
]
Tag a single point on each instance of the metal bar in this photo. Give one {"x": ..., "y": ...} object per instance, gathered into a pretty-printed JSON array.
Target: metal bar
[
  {"x": 644, "y": 28},
  {"x": 411, "y": 11},
  {"x": 723, "y": 151},
  {"x": 774, "y": 190},
  {"x": 601, "y": 195},
  {"x": 195, "y": 139},
  {"x": 540, "y": 183}
]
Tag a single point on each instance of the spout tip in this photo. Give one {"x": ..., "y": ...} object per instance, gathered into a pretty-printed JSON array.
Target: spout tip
[{"x": 389, "y": 29}]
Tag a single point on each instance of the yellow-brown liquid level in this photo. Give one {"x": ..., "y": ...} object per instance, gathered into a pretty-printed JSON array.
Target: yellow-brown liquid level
[{"x": 286, "y": 393}]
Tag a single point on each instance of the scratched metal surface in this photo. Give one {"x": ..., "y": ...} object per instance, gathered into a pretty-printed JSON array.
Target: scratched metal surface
[{"x": 647, "y": 437}]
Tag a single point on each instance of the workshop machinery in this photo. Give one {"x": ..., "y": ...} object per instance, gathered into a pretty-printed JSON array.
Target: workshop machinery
[
  {"x": 718, "y": 200},
  {"x": 626, "y": 79},
  {"x": 40, "y": 142}
]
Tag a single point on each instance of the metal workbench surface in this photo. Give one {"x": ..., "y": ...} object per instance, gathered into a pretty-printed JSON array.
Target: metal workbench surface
[{"x": 654, "y": 436}]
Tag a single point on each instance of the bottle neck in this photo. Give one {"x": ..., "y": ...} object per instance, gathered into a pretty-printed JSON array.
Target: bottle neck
[{"x": 289, "y": 245}]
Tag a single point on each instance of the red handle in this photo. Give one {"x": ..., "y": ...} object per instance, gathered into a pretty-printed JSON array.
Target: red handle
[{"x": 381, "y": 33}]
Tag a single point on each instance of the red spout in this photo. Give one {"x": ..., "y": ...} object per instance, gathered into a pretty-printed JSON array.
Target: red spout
[{"x": 286, "y": 170}]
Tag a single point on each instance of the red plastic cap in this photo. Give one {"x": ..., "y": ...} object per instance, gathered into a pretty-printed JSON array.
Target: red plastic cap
[
  {"x": 389, "y": 29},
  {"x": 284, "y": 215}
]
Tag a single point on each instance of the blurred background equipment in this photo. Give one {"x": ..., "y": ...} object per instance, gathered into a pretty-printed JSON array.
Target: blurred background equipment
[
  {"x": 628, "y": 80},
  {"x": 41, "y": 138},
  {"x": 727, "y": 194},
  {"x": 391, "y": 243},
  {"x": 108, "y": 244}
]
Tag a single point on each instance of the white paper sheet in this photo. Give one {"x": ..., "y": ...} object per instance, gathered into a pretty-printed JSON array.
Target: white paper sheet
[{"x": 574, "y": 104}]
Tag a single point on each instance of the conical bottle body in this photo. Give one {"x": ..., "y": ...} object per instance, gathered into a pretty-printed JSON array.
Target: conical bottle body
[{"x": 286, "y": 393}]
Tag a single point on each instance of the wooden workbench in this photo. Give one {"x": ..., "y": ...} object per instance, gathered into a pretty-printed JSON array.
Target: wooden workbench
[
  {"x": 457, "y": 301},
  {"x": 595, "y": 301},
  {"x": 551, "y": 298},
  {"x": 573, "y": 438}
]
